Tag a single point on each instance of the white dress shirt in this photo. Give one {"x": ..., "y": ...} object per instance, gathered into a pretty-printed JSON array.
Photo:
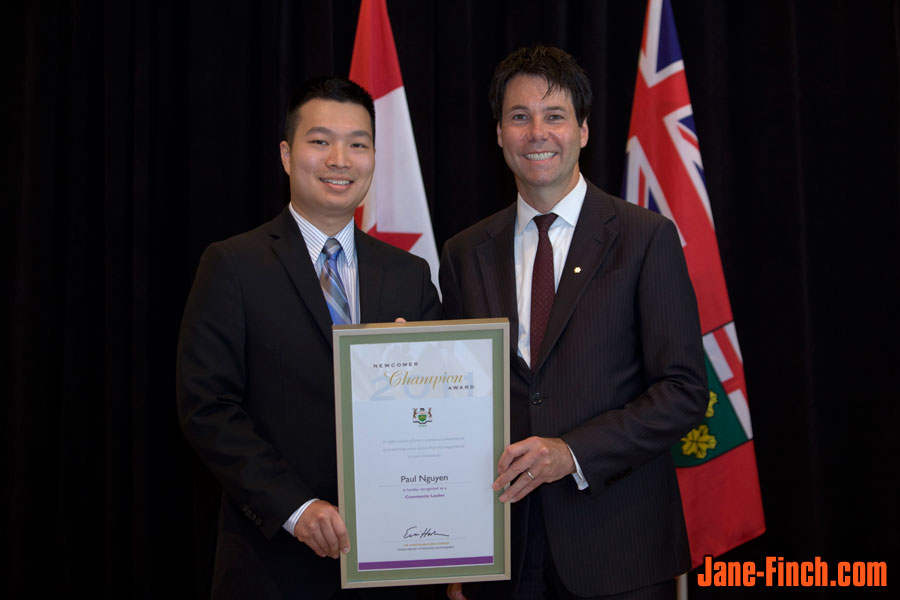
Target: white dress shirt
[
  {"x": 349, "y": 272},
  {"x": 525, "y": 245},
  {"x": 346, "y": 262}
]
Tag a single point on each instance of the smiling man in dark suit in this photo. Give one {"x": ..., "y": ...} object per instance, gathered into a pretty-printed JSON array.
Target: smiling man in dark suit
[
  {"x": 254, "y": 369},
  {"x": 607, "y": 372}
]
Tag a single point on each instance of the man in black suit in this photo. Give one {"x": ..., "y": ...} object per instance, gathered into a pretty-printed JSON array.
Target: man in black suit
[
  {"x": 254, "y": 370},
  {"x": 607, "y": 369}
]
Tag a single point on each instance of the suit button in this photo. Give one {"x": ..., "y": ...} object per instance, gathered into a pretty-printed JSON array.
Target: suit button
[
  {"x": 258, "y": 522},
  {"x": 536, "y": 398}
]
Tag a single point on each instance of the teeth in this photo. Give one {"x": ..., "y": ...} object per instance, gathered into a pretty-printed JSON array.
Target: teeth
[
  {"x": 539, "y": 155},
  {"x": 337, "y": 181}
]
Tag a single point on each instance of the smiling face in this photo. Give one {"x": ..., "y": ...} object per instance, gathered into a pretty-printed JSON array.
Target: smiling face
[
  {"x": 330, "y": 162},
  {"x": 541, "y": 140}
]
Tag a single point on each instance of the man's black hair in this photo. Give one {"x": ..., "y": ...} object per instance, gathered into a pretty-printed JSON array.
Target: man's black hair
[
  {"x": 335, "y": 88},
  {"x": 557, "y": 67}
]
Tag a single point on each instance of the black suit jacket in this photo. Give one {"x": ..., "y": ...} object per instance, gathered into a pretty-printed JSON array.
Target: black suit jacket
[
  {"x": 620, "y": 377},
  {"x": 256, "y": 392}
]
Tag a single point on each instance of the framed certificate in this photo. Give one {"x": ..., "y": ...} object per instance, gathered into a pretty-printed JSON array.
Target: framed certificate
[{"x": 422, "y": 416}]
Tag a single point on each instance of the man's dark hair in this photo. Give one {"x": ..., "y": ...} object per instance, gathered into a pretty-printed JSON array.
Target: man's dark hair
[
  {"x": 335, "y": 88},
  {"x": 557, "y": 67}
]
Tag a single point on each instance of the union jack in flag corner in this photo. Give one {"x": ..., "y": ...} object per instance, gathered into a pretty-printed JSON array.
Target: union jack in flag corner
[{"x": 715, "y": 462}]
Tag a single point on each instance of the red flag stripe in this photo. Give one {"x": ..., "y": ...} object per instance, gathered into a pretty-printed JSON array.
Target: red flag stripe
[{"x": 374, "y": 65}]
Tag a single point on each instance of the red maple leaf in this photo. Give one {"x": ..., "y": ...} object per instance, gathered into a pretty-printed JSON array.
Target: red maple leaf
[
  {"x": 404, "y": 241},
  {"x": 400, "y": 239}
]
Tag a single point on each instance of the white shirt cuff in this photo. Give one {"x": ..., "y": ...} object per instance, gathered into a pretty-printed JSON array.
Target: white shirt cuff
[
  {"x": 292, "y": 520},
  {"x": 578, "y": 475}
]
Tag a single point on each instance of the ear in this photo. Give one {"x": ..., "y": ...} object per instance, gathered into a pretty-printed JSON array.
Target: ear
[
  {"x": 584, "y": 133},
  {"x": 499, "y": 138},
  {"x": 285, "y": 156}
]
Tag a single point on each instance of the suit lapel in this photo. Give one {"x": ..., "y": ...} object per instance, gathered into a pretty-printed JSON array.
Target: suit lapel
[
  {"x": 594, "y": 234},
  {"x": 371, "y": 277},
  {"x": 496, "y": 259},
  {"x": 288, "y": 245}
]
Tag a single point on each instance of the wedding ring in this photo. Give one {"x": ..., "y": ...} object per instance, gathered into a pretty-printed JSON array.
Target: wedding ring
[{"x": 527, "y": 472}]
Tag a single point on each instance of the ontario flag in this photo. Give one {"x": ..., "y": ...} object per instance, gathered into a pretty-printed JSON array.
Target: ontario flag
[
  {"x": 395, "y": 209},
  {"x": 716, "y": 462}
]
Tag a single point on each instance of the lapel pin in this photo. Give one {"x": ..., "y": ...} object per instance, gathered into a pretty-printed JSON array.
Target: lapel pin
[{"x": 577, "y": 270}]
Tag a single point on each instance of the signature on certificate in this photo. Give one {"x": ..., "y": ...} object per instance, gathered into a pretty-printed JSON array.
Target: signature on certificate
[{"x": 416, "y": 532}]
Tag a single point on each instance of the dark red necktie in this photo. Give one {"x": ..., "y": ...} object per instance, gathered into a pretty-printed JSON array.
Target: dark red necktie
[{"x": 542, "y": 288}]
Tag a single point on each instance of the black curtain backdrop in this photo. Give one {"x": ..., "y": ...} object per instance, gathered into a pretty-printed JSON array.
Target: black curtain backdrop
[{"x": 137, "y": 132}]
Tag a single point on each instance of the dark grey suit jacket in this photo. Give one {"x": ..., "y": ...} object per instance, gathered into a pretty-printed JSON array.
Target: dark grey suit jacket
[
  {"x": 256, "y": 393},
  {"x": 620, "y": 377}
]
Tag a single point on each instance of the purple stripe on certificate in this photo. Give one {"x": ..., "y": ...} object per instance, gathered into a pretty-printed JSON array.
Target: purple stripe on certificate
[{"x": 428, "y": 562}]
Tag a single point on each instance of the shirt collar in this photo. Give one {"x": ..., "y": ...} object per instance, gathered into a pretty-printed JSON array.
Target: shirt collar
[
  {"x": 566, "y": 209},
  {"x": 315, "y": 239}
]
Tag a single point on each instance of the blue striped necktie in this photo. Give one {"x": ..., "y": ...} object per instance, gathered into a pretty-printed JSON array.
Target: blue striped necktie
[{"x": 332, "y": 286}]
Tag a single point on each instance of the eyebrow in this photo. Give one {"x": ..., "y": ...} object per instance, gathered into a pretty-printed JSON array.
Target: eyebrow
[
  {"x": 544, "y": 109},
  {"x": 326, "y": 131}
]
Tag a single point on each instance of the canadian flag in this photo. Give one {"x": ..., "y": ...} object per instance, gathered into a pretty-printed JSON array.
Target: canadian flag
[{"x": 395, "y": 210}]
